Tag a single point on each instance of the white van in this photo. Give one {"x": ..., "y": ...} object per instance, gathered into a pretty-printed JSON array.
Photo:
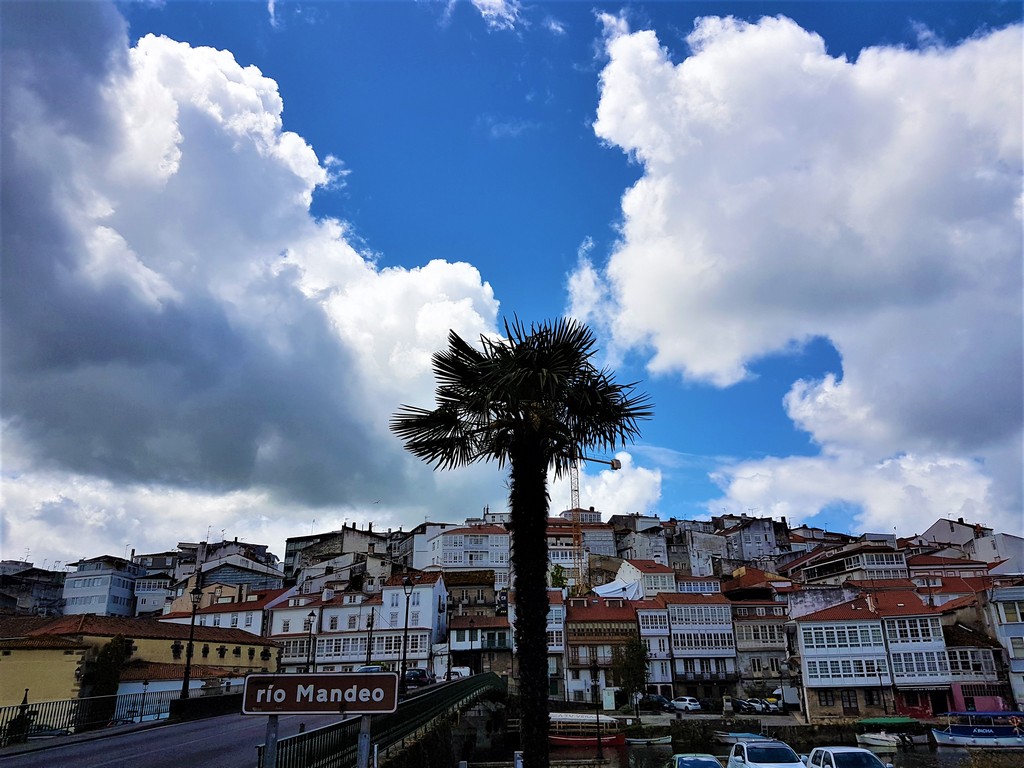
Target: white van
[{"x": 460, "y": 672}]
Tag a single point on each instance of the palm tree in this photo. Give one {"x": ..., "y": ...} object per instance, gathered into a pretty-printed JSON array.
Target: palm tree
[{"x": 535, "y": 401}]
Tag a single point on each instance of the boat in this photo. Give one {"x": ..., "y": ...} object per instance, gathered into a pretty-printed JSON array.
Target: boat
[
  {"x": 666, "y": 739},
  {"x": 731, "y": 737},
  {"x": 891, "y": 732},
  {"x": 987, "y": 730},
  {"x": 581, "y": 729}
]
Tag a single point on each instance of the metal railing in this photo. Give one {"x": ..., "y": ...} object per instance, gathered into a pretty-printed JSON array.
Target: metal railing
[
  {"x": 335, "y": 746},
  {"x": 44, "y": 719}
]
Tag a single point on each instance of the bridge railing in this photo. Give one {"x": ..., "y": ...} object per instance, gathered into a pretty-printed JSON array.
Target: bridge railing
[
  {"x": 45, "y": 719},
  {"x": 335, "y": 746}
]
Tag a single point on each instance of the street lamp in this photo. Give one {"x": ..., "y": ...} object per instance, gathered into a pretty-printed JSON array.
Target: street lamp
[
  {"x": 369, "y": 635},
  {"x": 594, "y": 672},
  {"x": 472, "y": 625},
  {"x": 310, "y": 649},
  {"x": 195, "y": 596},
  {"x": 142, "y": 706},
  {"x": 407, "y": 587}
]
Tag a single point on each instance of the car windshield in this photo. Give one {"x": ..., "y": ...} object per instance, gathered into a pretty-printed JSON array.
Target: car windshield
[
  {"x": 697, "y": 762},
  {"x": 775, "y": 754},
  {"x": 856, "y": 760}
]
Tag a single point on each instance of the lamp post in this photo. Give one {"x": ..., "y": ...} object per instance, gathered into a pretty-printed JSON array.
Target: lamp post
[
  {"x": 472, "y": 629},
  {"x": 407, "y": 587},
  {"x": 195, "y": 595},
  {"x": 594, "y": 672},
  {"x": 310, "y": 649},
  {"x": 369, "y": 635},
  {"x": 142, "y": 706}
]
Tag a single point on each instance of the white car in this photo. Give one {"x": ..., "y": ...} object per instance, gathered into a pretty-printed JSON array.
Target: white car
[
  {"x": 685, "y": 704},
  {"x": 844, "y": 757},
  {"x": 766, "y": 753}
]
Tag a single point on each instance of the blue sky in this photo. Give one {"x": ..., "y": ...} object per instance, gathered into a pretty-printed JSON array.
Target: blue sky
[{"x": 249, "y": 224}]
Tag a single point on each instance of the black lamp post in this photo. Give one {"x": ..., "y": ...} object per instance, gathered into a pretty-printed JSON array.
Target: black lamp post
[
  {"x": 594, "y": 672},
  {"x": 142, "y": 706},
  {"x": 407, "y": 587},
  {"x": 310, "y": 648},
  {"x": 369, "y": 635},
  {"x": 195, "y": 595},
  {"x": 472, "y": 629}
]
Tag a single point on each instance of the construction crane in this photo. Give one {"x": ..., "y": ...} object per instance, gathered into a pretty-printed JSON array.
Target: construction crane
[{"x": 581, "y": 567}]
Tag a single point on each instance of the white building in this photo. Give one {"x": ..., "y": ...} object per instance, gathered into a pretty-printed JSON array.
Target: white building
[{"x": 473, "y": 548}]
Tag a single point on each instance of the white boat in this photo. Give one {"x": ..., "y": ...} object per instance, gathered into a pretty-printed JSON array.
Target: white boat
[
  {"x": 986, "y": 730},
  {"x": 891, "y": 733},
  {"x": 891, "y": 741}
]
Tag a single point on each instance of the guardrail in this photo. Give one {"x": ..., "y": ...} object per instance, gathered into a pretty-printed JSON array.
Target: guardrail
[
  {"x": 335, "y": 746},
  {"x": 46, "y": 719}
]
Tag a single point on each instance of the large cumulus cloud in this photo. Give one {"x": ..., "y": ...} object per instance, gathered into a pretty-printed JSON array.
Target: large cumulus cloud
[
  {"x": 182, "y": 340},
  {"x": 789, "y": 194}
]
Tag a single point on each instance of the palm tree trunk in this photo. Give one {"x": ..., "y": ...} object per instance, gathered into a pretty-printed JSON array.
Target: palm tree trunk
[{"x": 528, "y": 503}]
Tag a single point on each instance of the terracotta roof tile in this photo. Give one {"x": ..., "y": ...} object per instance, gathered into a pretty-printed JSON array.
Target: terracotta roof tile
[
  {"x": 650, "y": 566},
  {"x": 109, "y": 626}
]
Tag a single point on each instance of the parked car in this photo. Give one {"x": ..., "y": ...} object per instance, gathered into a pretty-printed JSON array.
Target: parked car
[
  {"x": 654, "y": 701},
  {"x": 747, "y": 706},
  {"x": 686, "y": 704},
  {"x": 459, "y": 672},
  {"x": 766, "y": 753},
  {"x": 694, "y": 760},
  {"x": 370, "y": 668},
  {"x": 844, "y": 757},
  {"x": 415, "y": 678},
  {"x": 768, "y": 706}
]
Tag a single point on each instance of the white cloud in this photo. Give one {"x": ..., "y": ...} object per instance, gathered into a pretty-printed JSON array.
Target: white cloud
[
  {"x": 789, "y": 194},
  {"x": 184, "y": 343},
  {"x": 499, "y": 14}
]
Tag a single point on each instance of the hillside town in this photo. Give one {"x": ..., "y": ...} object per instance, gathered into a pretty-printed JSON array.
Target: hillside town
[{"x": 830, "y": 625}]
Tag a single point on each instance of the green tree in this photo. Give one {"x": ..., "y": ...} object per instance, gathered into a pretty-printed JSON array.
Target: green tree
[
  {"x": 630, "y": 663},
  {"x": 105, "y": 678},
  {"x": 534, "y": 401},
  {"x": 559, "y": 579}
]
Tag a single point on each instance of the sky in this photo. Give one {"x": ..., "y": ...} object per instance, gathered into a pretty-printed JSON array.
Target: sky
[{"x": 234, "y": 233}]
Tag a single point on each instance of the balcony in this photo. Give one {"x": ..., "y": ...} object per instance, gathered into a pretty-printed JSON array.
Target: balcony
[{"x": 707, "y": 677}]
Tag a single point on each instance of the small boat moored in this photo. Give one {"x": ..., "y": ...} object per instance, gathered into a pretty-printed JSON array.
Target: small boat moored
[
  {"x": 891, "y": 732},
  {"x": 987, "y": 730},
  {"x": 581, "y": 729},
  {"x": 666, "y": 739}
]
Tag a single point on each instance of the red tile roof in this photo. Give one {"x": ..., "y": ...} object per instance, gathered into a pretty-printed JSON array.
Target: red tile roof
[
  {"x": 650, "y": 566},
  {"x": 109, "y": 626},
  {"x": 873, "y": 607},
  {"x": 687, "y": 598},
  {"x": 599, "y": 609},
  {"x": 482, "y": 530},
  {"x": 480, "y": 622},
  {"x": 924, "y": 560},
  {"x": 423, "y": 577}
]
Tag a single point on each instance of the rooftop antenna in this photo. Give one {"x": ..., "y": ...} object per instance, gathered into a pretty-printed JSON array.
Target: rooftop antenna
[
  {"x": 27, "y": 551},
  {"x": 312, "y": 525}
]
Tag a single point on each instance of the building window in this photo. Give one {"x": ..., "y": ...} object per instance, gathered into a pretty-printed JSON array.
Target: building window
[
  {"x": 872, "y": 696},
  {"x": 248, "y": 619},
  {"x": 755, "y": 665},
  {"x": 234, "y": 619},
  {"x": 775, "y": 665},
  {"x": 351, "y": 622},
  {"x": 333, "y": 622},
  {"x": 1017, "y": 647},
  {"x": 826, "y": 699},
  {"x": 216, "y": 620},
  {"x": 285, "y": 625}
]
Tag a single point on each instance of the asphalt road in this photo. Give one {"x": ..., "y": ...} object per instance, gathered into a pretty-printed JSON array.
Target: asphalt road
[{"x": 219, "y": 742}]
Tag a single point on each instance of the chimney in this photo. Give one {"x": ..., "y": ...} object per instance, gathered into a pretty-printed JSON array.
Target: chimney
[
  {"x": 328, "y": 594},
  {"x": 243, "y": 592},
  {"x": 960, "y": 520}
]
